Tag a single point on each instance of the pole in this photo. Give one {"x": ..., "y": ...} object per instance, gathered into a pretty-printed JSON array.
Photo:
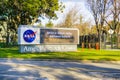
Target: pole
[{"x": 111, "y": 42}]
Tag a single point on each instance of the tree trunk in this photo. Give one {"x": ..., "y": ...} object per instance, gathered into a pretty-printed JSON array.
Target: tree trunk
[
  {"x": 7, "y": 39},
  {"x": 111, "y": 42},
  {"x": 104, "y": 40},
  {"x": 99, "y": 39}
]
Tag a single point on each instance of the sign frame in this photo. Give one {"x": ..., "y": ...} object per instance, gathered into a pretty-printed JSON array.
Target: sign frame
[{"x": 26, "y": 46}]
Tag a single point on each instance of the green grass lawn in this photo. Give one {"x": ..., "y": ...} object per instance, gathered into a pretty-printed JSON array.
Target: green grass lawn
[{"x": 81, "y": 54}]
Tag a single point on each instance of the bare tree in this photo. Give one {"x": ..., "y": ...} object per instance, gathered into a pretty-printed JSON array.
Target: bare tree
[
  {"x": 99, "y": 8},
  {"x": 70, "y": 18},
  {"x": 114, "y": 11},
  {"x": 114, "y": 22},
  {"x": 73, "y": 19},
  {"x": 83, "y": 26}
]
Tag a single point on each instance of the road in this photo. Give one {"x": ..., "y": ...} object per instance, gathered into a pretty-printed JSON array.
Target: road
[{"x": 18, "y": 69}]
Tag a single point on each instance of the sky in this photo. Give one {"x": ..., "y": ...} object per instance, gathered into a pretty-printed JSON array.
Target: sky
[{"x": 79, "y": 4}]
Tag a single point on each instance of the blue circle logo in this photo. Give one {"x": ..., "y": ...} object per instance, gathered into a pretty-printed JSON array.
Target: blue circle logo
[{"x": 29, "y": 36}]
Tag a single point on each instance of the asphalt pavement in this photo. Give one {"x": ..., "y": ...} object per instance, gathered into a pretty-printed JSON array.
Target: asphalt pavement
[{"x": 18, "y": 69}]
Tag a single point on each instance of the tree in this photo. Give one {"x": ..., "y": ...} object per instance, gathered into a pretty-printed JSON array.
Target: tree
[
  {"x": 24, "y": 12},
  {"x": 113, "y": 23},
  {"x": 70, "y": 18},
  {"x": 114, "y": 11},
  {"x": 99, "y": 10},
  {"x": 93, "y": 29},
  {"x": 49, "y": 24},
  {"x": 73, "y": 19},
  {"x": 83, "y": 26}
]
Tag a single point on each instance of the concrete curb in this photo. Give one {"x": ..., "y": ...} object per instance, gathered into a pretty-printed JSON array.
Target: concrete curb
[{"x": 62, "y": 60}]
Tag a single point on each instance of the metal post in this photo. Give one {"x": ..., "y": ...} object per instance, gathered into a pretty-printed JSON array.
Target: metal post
[{"x": 111, "y": 42}]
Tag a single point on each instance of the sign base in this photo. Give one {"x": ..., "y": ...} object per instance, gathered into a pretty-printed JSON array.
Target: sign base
[{"x": 47, "y": 48}]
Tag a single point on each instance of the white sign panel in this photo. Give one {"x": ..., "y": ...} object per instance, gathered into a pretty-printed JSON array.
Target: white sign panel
[
  {"x": 28, "y": 35},
  {"x": 111, "y": 31}
]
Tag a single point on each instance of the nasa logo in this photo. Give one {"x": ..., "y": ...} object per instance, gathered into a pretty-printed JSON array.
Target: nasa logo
[{"x": 29, "y": 36}]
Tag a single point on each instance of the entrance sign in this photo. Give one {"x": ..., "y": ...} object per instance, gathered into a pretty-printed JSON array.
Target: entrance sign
[
  {"x": 35, "y": 39},
  {"x": 59, "y": 36}
]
